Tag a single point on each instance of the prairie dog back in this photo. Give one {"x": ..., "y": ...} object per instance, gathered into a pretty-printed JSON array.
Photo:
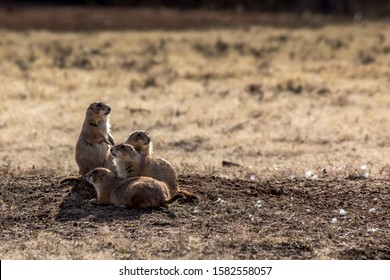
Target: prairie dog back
[
  {"x": 131, "y": 163},
  {"x": 136, "y": 192}
]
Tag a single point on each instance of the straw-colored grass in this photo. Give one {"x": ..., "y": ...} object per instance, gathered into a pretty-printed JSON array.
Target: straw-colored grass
[{"x": 269, "y": 99}]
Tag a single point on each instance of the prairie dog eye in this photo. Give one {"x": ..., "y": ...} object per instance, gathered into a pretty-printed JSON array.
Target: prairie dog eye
[{"x": 99, "y": 105}]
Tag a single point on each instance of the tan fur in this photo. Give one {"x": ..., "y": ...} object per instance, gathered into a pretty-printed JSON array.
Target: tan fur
[
  {"x": 130, "y": 163},
  {"x": 135, "y": 192},
  {"x": 141, "y": 141},
  {"x": 92, "y": 147}
]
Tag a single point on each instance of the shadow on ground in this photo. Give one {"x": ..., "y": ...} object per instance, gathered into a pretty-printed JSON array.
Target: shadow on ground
[{"x": 77, "y": 205}]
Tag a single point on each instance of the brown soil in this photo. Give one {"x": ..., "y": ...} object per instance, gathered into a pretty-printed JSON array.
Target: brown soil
[{"x": 342, "y": 218}]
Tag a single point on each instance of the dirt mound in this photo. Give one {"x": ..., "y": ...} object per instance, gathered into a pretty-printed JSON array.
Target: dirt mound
[{"x": 276, "y": 218}]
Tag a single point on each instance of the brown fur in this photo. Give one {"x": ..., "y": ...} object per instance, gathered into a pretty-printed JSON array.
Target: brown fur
[
  {"x": 136, "y": 192},
  {"x": 130, "y": 163},
  {"x": 71, "y": 179},
  {"x": 92, "y": 148},
  {"x": 141, "y": 141}
]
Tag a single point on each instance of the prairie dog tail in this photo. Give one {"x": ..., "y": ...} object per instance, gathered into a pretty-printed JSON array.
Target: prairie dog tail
[
  {"x": 172, "y": 199},
  {"x": 71, "y": 179},
  {"x": 187, "y": 194}
]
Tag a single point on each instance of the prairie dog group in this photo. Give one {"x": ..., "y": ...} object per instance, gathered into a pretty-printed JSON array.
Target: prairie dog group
[
  {"x": 93, "y": 144},
  {"x": 125, "y": 174},
  {"x": 135, "y": 192}
]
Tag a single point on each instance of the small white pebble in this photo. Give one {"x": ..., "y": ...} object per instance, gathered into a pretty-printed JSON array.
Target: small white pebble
[
  {"x": 372, "y": 210},
  {"x": 372, "y": 230},
  {"x": 259, "y": 204},
  {"x": 196, "y": 210},
  {"x": 252, "y": 178},
  {"x": 342, "y": 212},
  {"x": 308, "y": 173},
  {"x": 334, "y": 220}
]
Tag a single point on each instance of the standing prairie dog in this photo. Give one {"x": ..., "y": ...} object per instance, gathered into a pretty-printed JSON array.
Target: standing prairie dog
[
  {"x": 130, "y": 163},
  {"x": 93, "y": 144},
  {"x": 141, "y": 141},
  {"x": 136, "y": 192}
]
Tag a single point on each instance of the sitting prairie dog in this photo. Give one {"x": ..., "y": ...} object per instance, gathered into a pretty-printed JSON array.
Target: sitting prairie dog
[
  {"x": 93, "y": 144},
  {"x": 136, "y": 192},
  {"x": 141, "y": 141},
  {"x": 130, "y": 163}
]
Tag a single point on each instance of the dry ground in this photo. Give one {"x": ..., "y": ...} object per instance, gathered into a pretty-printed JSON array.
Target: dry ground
[{"x": 281, "y": 131}]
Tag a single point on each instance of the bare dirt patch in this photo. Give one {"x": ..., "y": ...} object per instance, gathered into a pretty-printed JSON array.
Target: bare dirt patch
[{"x": 279, "y": 218}]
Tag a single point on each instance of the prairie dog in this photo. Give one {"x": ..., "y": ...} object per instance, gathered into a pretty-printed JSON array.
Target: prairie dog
[
  {"x": 136, "y": 192},
  {"x": 93, "y": 144},
  {"x": 141, "y": 141},
  {"x": 130, "y": 163}
]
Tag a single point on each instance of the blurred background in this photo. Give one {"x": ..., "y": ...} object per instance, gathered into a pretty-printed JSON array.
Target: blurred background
[
  {"x": 170, "y": 14},
  {"x": 339, "y": 7}
]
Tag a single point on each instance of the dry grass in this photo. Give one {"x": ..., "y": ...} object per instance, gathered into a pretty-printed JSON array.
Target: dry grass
[
  {"x": 278, "y": 102},
  {"x": 266, "y": 98}
]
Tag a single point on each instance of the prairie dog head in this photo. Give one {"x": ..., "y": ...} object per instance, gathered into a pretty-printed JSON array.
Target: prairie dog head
[
  {"x": 99, "y": 175},
  {"x": 98, "y": 111},
  {"x": 141, "y": 141},
  {"x": 124, "y": 152}
]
